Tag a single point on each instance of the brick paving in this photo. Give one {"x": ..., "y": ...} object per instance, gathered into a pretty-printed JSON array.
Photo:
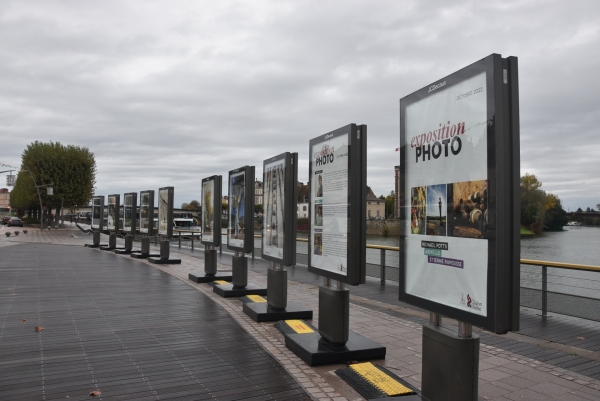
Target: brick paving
[{"x": 505, "y": 372}]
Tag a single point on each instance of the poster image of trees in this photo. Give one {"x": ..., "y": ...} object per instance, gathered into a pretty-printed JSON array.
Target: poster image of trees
[
  {"x": 467, "y": 207},
  {"x": 273, "y": 204},
  {"x": 436, "y": 210},
  {"x": 208, "y": 209},
  {"x": 112, "y": 201},
  {"x": 237, "y": 198},
  {"x": 418, "y": 210},
  {"x": 318, "y": 244},
  {"x": 163, "y": 210}
]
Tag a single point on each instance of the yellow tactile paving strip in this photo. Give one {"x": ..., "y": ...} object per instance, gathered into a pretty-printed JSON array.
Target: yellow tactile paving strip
[
  {"x": 379, "y": 379},
  {"x": 256, "y": 298},
  {"x": 299, "y": 326}
]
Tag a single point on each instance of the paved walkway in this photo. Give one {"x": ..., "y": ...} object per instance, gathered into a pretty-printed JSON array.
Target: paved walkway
[{"x": 514, "y": 366}]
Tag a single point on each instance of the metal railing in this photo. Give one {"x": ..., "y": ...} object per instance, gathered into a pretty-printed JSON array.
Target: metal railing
[
  {"x": 559, "y": 265},
  {"x": 541, "y": 263}
]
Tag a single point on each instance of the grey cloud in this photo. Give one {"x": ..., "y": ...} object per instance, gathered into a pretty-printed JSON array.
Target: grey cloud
[{"x": 166, "y": 94}]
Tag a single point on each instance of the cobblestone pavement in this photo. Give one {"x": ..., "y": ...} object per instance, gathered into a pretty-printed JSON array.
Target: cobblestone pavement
[{"x": 503, "y": 375}]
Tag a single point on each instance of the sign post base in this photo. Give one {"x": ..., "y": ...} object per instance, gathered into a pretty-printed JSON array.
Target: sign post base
[
  {"x": 305, "y": 341},
  {"x": 450, "y": 365}
]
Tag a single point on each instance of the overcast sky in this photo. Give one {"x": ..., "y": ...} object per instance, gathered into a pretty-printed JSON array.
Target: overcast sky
[{"x": 167, "y": 93}]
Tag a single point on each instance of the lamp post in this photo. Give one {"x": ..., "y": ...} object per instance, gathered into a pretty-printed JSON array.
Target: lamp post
[{"x": 49, "y": 191}]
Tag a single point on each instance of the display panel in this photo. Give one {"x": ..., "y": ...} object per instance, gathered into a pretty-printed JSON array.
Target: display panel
[
  {"x": 447, "y": 136},
  {"x": 280, "y": 177},
  {"x": 211, "y": 210},
  {"x": 129, "y": 212},
  {"x": 338, "y": 204},
  {"x": 97, "y": 212},
  {"x": 114, "y": 208},
  {"x": 240, "y": 232},
  {"x": 165, "y": 211},
  {"x": 147, "y": 212},
  {"x": 448, "y": 259}
]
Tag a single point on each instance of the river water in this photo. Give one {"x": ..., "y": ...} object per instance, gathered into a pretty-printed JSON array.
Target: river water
[{"x": 580, "y": 245}]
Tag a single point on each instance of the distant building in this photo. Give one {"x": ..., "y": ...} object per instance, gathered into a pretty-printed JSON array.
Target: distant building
[
  {"x": 397, "y": 192},
  {"x": 258, "y": 192},
  {"x": 375, "y": 206},
  {"x": 302, "y": 210},
  {"x": 4, "y": 200}
]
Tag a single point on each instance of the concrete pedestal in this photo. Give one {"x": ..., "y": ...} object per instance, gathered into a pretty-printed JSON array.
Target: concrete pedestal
[
  {"x": 145, "y": 252},
  {"x": 128, "y": 245},
  {"x": 95, "y": 240},
  {"x": 276, "y": 306},
  {"x": 165, "y": 250},
  {"x": 263, "y": 312},
  {"x": 313, "y": 349}
]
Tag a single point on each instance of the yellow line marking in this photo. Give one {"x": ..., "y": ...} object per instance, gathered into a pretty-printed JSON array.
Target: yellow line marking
[
  {"x": 379, "y": 379},
  {"x": 256, "y": 298},
  {"x": 299, "y": 326},
  {"x": 221, "y": 282}
]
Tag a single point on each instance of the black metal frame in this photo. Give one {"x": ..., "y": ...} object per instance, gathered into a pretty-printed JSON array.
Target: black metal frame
[
  {"x": 133, "y": 212},
  {"x": 357, "y": 201},
  {"x": 290, "y": 214},
  {"x": 101, "y": 206},
  {"x": 150, "y": 193},
  {"x": 217, "y": 210},
  {"x": 117, "y": 211},
  {"x": 170, "y": 196},
  {"x": 248, "y": 209},
  {"x": 503, "y": 164}
]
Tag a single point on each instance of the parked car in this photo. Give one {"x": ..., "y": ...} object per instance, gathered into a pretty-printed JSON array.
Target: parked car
[{"x": 15, "y": 221}]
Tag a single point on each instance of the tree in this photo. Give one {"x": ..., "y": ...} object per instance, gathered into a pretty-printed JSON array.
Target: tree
[
  {"x": 194, "y": 205},
  {"x": 184, "y": 205},
  {"x": 533, "y": 201},
  {"x": 70, "y": 169},
  {"x": 258, "y": 208},
  {"x": 598, "y": 206},
  {"x": 539, "y": 209},
  {"x": 555, "y": 217},
  {"x": 390, "y": 202}
]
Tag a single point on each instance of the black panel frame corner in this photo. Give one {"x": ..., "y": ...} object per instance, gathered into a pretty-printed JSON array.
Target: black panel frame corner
[
  {"x": 357, "y": 209},
  {"x": 290, "y": 214},
  {"x": 217, "y": 201},
  {"x": 248, "y": 209},
  {"x": 170, "y": 200},
  {"x": 503, "y": 169},
  {"x": 132, "y": 213}
]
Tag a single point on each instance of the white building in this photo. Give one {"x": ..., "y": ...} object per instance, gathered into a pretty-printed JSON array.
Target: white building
[{"x": 302, "y": 210}]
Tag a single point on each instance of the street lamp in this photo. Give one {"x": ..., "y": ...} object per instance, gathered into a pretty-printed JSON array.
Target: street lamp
[{"x": 49, "y": 191}]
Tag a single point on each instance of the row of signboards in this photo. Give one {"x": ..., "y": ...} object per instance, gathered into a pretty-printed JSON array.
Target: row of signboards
[
  {"x": 337, "y": 238},
  {"x": 459, "y": 200}
]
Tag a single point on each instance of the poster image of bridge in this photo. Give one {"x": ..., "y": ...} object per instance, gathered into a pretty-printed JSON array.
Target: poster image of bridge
[
  {"x": 436, "y": 210},
  {"x": 237, "y": 197},
  {"x": 274, "y": 208}
]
